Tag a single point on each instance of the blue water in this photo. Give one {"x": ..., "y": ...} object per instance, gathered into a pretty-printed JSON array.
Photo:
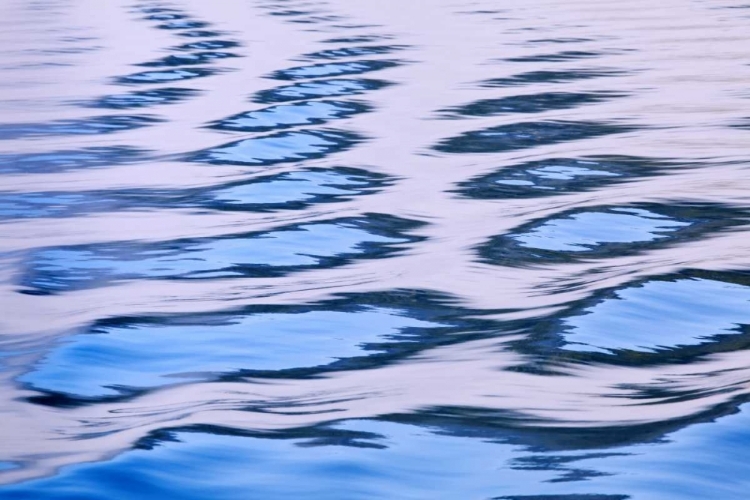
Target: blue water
[{"x": 374, "y": 250}]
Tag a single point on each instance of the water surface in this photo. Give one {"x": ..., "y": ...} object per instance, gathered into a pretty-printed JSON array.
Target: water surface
[{"x": 362, "y": 250}]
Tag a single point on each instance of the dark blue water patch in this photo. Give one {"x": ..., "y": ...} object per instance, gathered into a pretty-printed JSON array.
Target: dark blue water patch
[
  {"x": 122, "y": 356},
  {"x": 355, "y": 26},
  {"x": 200, "y": 33},
  {"x": 526, "y": 135},
  {"x": 208, "y": 45},
  {"x": 188, "y": 59},
  {"x": 319, "y": 88},
  {"x": 560, "y": 40},
  {"x": 608, "y": 231},
  {"x": 549, "y": 76},
  {"x": 353, "y": 52},
  {"x": 279, "y": 148},
  {"x": 182, "y": 24},
  {"x": 157, "y": 10},
  {"x": 332, "y": 69},
  {"x": 556, "y": 176},
  {"x": 291, "y": 13},
  {"x": 315, "y": 19},
  {"x": 666, "y": 314},
  {"x": 95, "y": 125},
  {"x": 59, "y": 161},
  {"x": 368, "y": 458},
  {"x": 166, "y": 75},
  {"x": 261, "y": 254},
  {"x": 564, "y": 497},
  {"x": 290, "y": 115},
  {"x": 143, "y": 98},
  {"x": 566, "y": 55},
  {"x": 166, "y": 16},
  {"x": 292, "y": 190},
  {"x": 358, "y": 39},
  {"x": 531, "y": 103}
]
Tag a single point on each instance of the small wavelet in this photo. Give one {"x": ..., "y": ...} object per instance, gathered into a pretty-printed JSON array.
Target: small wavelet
[
  {"x": 566, "y": 55},
  {"x": 353, "y": 52},
  {"x": 85, "y": 126},
  {"x": 561, "y": 175},
  {"x": 664, "y": 314},
  {"x": 165, "y": 16},
  {"x": 497, "y": 462},
  {"x": 290, "y": 115},
  {"x": 208, "y": 45},
  {"x": 143, "y": 98},
  {"x": 319, "y": 88},
  {"x": 114, "y": 359},
  {"x": 526, "y": 135},
  {"x": 286, "y": 191},
  {"x": 200, "y": 33},
  {"x": 279, "y": 148},
  {"x": 332, "y": 69},
  {"x": 58, "y": 161},
  {"x": 163, "y": 76},
  {"x": 534, "y": 103}
]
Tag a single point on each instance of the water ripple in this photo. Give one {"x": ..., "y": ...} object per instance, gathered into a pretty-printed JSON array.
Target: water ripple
[
  {"x": 516, "y": 271},
  {"x": 525, "y": 135}
]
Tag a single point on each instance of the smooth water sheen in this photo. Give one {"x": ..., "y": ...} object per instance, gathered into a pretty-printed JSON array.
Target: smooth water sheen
[{"x": 274, "y": 249}]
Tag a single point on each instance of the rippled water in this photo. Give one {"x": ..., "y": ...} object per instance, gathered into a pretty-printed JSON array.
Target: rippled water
[{"x": 358, "y": 250}]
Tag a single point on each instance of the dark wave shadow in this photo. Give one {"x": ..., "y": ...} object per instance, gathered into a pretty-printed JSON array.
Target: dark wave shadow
[
  {"x": 550, "y": 76},
  {"x": 142, "y": 98},
  {"x": 183, "y": 24},
  {"x": 533, "y": 103},
  {"x": 566, "y": 55},
  {"x": 200, "y": 33},
  {"x": 290, "y": 115},
  {"x": 319, "y": 88},
  {"x": 416, "y": 453},
  {"x": 286, "y": 191},
  {"x": 208, "y": 45},
  {"x": 188, "y": 59},
  {"x": 95, "y": 125},
  {"x": 166, "y": 75},
  {"x": 358, "y": 331},
  {"x": 556, "y": 176},
  {"x": 526, "y": 135},
  {"x": 333, "y": 69}
]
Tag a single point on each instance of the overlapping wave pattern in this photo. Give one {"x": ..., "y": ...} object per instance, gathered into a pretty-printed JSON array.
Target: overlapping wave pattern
[{"x": 327, "y": 249}]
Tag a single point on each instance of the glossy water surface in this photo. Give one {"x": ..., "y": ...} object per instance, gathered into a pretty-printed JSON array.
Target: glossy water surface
[{"x": 335, "y": 249}]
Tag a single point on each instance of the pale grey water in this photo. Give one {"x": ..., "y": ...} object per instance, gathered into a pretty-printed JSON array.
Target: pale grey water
[{"x": 362, "y": 250}]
